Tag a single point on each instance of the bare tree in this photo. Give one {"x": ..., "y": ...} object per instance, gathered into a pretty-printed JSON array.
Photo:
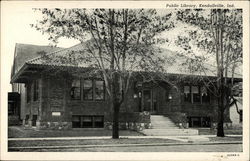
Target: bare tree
[
  {"x": 218, "y": 34},
  {"x": 120, "y": 44}
]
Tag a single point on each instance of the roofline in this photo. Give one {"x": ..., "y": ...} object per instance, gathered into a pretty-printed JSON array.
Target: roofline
[
  {"x": 50, "y": 53},
  {"x": 16, "y": 75},
  {"x": 26, "y": 65}
]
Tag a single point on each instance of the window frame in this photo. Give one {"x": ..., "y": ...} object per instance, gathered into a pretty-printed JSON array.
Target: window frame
[
  {"x": 209, "y": 95},
  {"x": 78, "y": 121},
  {"x": 191, "y": 99},
  {"x": 78, "y": 98},
  {"x": 193, "y": 94},
  {"x": 94, "y": 90},
  {"x": 83, "y": 93}
]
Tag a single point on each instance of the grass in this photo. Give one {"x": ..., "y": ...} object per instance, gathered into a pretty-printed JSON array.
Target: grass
[
  {"x": 225, "y": 139},
  {"x": 20, "y": 132},
  {"x": 87, "y": 142},
  {"x": 208, "y": 131}
]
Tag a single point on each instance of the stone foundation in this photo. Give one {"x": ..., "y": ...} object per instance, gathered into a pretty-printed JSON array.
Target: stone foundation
[
  {"x": 129, "y": 125},
  {"x": 54, "y": 125}
]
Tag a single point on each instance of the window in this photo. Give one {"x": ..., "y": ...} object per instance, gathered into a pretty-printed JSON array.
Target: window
[
  {"x": 99, "y": 90},
  {"x": 98, "y": 121},
  {"x": 28, "y": 93},
  {"x": 187, "y": 94},
  {"x": 76, "y": 121},
  {"x": 75, "y": 89},
  {"x": 205, "y": 96},
  {"x": 199, "y": 121},
  {"x": 88, "y": 90},
  {"x": 36, "y": 90},
  {"x": 195, "y": 93},
  {"x": 87, "y": 121}
]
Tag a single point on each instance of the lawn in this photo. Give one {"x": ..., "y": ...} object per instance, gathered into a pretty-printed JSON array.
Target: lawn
[
  {"x": 208, "y": 131},
  {"x": 225, "y": 139},
  {"x": 21, "y": 132},
  {"x": 88, "y": 142}
]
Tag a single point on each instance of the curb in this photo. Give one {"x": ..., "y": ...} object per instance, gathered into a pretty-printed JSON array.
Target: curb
[{"x": 124, "y": 145}]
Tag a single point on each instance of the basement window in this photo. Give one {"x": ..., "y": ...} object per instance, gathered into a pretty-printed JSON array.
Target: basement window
[
  {"x": 199, "y": 121},
  {"x": 98, "y": 121},
  {"x": 83, "y": 121},
  {"x": 87, "y": 121},
  {"x": 76, "y": 122}
]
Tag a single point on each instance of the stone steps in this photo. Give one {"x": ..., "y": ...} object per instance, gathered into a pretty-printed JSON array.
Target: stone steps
[
  {"x": 162, "y": 122},
  {"x": 163, "y": 126}
]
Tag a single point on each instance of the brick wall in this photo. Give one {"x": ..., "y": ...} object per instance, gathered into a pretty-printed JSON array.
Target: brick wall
[
  {"x": 54, "y": 98},
  {"x": 177, "y": 104}
]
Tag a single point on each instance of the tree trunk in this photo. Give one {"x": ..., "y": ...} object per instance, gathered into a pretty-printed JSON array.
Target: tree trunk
[
  {"x": 220, "y": 64},
  {"x": 115, "y": 129},
  {"x": 221, "y": 103},
  {"x": 220, "y": 129},
  {"x": 116, "y": 103}
]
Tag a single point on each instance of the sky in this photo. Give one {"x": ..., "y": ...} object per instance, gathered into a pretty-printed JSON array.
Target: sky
[{"x": 15, "y": 28}]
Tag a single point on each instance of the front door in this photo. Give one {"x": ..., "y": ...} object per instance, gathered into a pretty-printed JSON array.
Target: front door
[{"x": 149, "y": 101}]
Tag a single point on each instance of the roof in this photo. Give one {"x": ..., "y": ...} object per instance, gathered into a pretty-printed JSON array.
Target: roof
[
  {"x": 24, "y": 52},
  {"x": 52, "y": 58},
  {"x": 174, "y": 61},
  {"x": 176, "y": 64},
  {"x": 68, "y": 57}
]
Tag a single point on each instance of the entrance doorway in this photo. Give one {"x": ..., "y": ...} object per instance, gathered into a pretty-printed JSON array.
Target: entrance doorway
[{"x": 149, "y": 101}]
